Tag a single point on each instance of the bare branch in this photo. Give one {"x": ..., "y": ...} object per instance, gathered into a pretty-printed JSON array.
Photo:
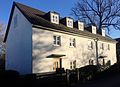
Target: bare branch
[{"x": 102, "y": 13}]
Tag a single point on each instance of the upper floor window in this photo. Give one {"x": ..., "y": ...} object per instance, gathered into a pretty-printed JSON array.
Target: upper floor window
[
  {"x": 15, "y": 21},
  {"x": 108, "y": 47},
  {"x": 72, "y": 42},
  {"x": 90, "y": 45},
  {"x": 102, "y": 46},
  {"x": 57, "y": 40}
]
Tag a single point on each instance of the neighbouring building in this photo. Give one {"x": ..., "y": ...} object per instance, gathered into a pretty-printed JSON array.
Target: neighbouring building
[
  {"x": 39, "y": 42},
  {"x": 118, "y": 49}
]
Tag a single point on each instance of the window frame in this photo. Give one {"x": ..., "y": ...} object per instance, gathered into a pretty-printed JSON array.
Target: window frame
[
  {"x": 56, "y": 40},
  {"x": 108, "y": 46},
  {"x": 72, "y": 42},
  {"x": 90, "y": 44},
  {"x": 102, "y": 46}
]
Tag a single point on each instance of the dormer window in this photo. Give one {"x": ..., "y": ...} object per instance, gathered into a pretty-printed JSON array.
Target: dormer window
[
  {"x": 93, "y": 29},
  {"x": 79, "y": 25},
  {"x": 69, "y": 22},
  {"x": 103, "y": 31},
  {"x": 54, "y": 17}
]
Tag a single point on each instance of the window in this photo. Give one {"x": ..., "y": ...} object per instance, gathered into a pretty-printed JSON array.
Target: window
[
  {"x": 55, "y": 18},
  {"x": 90, "y": 45},
  {"x": 93, "y": 29},
  {"x": 57, "y": 40},
  {"x": 73, "y": 64},
  {"x": 102, "y": 46},
  {"x": 70, "y": 65},
  {"x": 81, "y": 26},
  {"x": 72, "y": 42},
  {"x": 90, "y": 62},
  {"x": 70, "y": 23},
  {"x": 108, "y": 47},
  {"x": 15, "y": 21}
]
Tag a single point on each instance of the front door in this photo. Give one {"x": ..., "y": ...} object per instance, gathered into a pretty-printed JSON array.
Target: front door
[{"x": 57, "y": 63}]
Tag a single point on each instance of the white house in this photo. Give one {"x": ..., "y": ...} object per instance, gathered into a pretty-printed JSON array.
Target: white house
[{"x": 39, "y": 42}]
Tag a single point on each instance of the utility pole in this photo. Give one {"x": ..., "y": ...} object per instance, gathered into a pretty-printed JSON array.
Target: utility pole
[{"x": 96, "y": 50}]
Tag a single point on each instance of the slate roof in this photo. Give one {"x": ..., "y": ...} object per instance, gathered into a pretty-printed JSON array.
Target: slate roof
[{"x": 36, "y": 17}]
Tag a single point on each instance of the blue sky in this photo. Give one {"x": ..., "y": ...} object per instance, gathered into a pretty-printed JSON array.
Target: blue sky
[{"x": 61, "y": 6}]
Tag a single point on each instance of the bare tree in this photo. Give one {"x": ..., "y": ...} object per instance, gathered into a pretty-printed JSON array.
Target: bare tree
[
  {"x": 2, "y": 45},
  {"x": 2, "y": 31},
  {"x": 102, "y": 13}
]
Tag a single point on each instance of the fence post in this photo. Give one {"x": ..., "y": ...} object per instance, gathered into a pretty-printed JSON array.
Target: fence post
[
  {"x": 77, "y": 71},
  {"x": 67, "y": 76}
]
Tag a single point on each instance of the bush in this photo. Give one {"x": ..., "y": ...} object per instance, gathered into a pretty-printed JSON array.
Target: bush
[
  {"x": 111, "y": 71},
  {"x": 30, "y": 76},
  {"x": 88, "y": 72},
  {"x": 9, "y": 74}
]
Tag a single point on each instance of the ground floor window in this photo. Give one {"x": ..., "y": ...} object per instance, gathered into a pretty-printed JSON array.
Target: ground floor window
[
  {"x": 90, "y": 62},
  {"x": 73, "y": 64}
]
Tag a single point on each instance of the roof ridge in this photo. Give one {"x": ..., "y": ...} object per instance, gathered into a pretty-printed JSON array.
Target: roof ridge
[{"x": 18, "y": 4}]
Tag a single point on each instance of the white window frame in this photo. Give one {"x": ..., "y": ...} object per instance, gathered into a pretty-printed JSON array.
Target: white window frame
[
  {"x": 102, "y": 46},
  {"x": 72, "y": 42},
  {"x": 56, "y": 40},
  {"x": 55, "y": 18},
  {"x": 73, "y": 64},
  {"x": 90, "y": 44},
  {"x": 108, "y": 46}
]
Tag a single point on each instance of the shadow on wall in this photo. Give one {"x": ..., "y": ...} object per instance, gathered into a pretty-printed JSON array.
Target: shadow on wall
[
  {"x": 91, "y": 55},
  {"x": 42, "y": 47}
]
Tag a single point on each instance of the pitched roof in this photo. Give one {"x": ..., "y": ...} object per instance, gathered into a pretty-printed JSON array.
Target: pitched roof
[{"x": 36, "y": 17}]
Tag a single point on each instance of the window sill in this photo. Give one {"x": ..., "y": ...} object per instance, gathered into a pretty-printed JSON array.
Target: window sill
[
  {"x": 56, "y": 45},
  {"x": 72, "y": 46}
]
